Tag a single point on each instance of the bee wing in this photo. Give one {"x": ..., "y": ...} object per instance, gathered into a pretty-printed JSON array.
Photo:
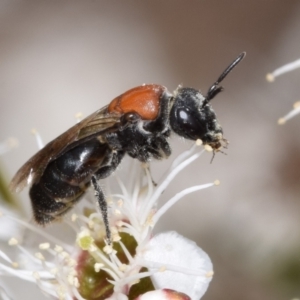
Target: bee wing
[{"x": 93, "y": 125}]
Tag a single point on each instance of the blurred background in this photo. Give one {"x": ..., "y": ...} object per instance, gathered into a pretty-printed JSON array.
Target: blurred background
[{"x": 58, "y": 58}]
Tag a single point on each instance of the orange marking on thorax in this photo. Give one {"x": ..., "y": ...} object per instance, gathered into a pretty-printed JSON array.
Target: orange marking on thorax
[{"x": 144, "y": 100}]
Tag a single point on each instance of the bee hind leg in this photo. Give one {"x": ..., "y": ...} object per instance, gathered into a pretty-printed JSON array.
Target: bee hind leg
[
  {"x": 103, "y": 172},
  {"x": 103, "y": 206}
]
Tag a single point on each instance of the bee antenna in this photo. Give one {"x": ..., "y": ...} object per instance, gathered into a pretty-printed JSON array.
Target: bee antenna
[{"x": 215, "y": 89}]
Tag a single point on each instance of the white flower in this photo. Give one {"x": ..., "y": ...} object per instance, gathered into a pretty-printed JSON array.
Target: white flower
[
  {"x": 137, "y": 262},
  {"x": 280, "y": 71}
]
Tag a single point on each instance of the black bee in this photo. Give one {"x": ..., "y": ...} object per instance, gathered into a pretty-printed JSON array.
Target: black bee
[{"x": 138, "y": 123}]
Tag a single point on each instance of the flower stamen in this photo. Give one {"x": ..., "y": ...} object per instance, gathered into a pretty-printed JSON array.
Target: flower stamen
[
  {"x": 38, "y": 138},
  {"x": 159, "y": 190},
  {"x": 282, "y": 70},
  {"x": 176, "y": 198},
  {"x": 291, "y": 114}
]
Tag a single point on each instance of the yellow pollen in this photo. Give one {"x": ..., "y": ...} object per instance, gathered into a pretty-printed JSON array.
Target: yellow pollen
[
  {"x": 219, "y": 136},
  {"x": 15, "y": 265},
  {"x": 58, "y": 249},
  {"x": 74, "y": 217},
  {"x": 54, "y": 271},
  {"x": 91, "y": 224},
  {"x": 76, "y": 282},
  {"x": 117, "y": 212},
  {"x": 79, "y": 116},
  {"x": 44, "y": 246},
  {"x": 135, "y": 282},
  {"x": 122, "y": 267},
  {"x": 71, "y": 279},
  {"x": 61, "y": 293},
  {"x": 281, "y": 121},
  {"x": 33, "y": 131},
  {"x": 162, "y": 269},
  {"x": 64, "y": 255},
  {"x": 12, "y": 142},
  {"x": 208, "y": 148},
  {"x": 199, "y": 142},
  {"x": 119, "y": 223},
  {"x": 98, "y": 267},
  {"x": 13, "y": 242},
  {"x": 145, "y": 165},
  {"x": 73, "y": 272},
  {"x": 108, "y": 249},
  {"x": 92, "y": 248},
  {"x": 116, "y": 237},
  {"x": 149, "y": 221},
  {"x": 120, "y": 203},
  {"x": 114, "y": 230},
  {"x": 217, "y": 182},
  {"x": 36, "y": 275},
  {"x": 270, "y": 77},
  {"x": 296, "y": 104},
  {"x": 209, "y": 274},
  {"x": 39, "y": 256},
  {"x": 72, "y": 262}
]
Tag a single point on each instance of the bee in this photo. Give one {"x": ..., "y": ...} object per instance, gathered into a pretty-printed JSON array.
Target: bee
[{"x": 137, "y": 123}]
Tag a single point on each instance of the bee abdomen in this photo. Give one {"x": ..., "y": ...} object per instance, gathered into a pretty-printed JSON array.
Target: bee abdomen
[
  {"x": 65, "y": 180},
  {"x": 46, "y": 207}
]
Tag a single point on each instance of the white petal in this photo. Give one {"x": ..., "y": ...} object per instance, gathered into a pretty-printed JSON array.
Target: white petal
[
  {"x": 171, "y": 249},
  {"x": 154, "y": 295},
  {"x": 3, "y": 294},
  {"x": 117, "y": 296},
  {"x": 164, "y": 294}
]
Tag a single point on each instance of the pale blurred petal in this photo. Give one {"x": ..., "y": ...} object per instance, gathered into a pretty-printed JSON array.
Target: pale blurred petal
[
  {"x": 194, "y": 271},
  {"x": 165, "y": 294}
]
